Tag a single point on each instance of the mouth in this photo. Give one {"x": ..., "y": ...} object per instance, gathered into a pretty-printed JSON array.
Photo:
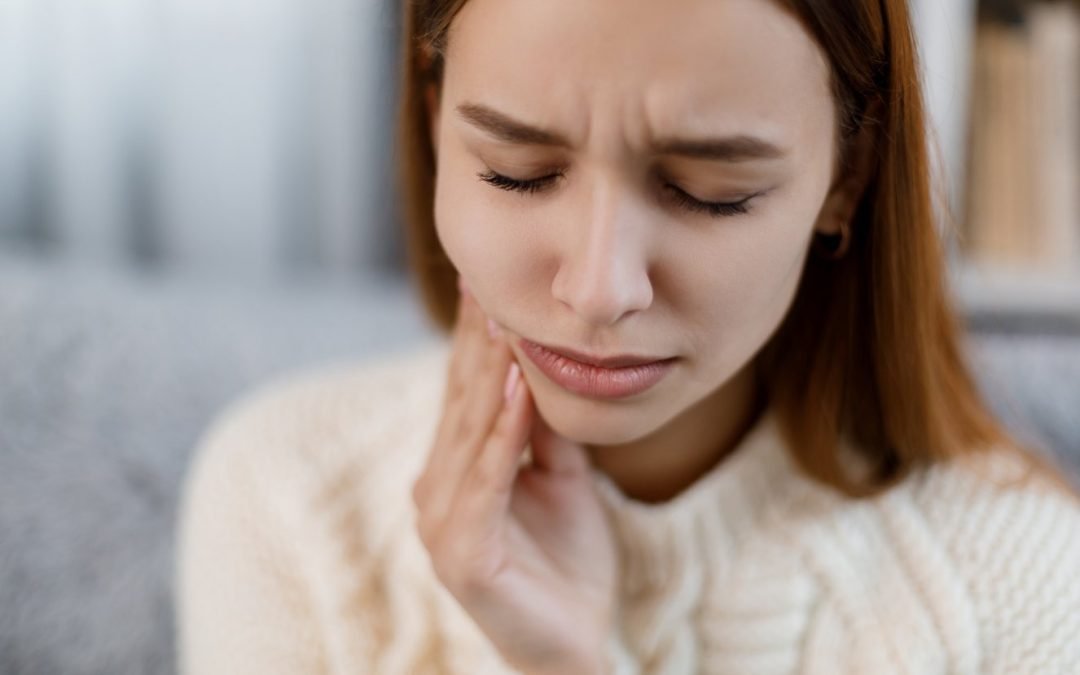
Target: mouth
[{"x": 616, "y": 376}]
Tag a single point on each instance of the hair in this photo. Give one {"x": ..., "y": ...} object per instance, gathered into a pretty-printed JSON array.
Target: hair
[{"x": 871, "y": 349}]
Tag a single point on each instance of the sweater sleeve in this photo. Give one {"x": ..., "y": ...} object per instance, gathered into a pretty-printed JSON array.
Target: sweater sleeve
[{"x": 242, "y": 606}]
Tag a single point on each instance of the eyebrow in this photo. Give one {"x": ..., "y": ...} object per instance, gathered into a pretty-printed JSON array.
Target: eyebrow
[{"x": 737, "y": 148}]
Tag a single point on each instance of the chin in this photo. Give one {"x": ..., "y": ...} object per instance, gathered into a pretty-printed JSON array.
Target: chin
[{"x": 594, "y": 422}]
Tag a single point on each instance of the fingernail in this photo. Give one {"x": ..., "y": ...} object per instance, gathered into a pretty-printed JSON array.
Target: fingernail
[
  {"x": 493, "y": 328},
  {"x": 511, "y": 381}
]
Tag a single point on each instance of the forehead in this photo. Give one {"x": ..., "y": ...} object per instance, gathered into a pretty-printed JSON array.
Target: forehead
[{"x": 657, "y": 66}]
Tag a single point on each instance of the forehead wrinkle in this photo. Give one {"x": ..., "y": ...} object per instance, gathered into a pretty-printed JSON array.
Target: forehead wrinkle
[
  {"x": 633, "y": 96},
  {"x": 619, "y": 113}
]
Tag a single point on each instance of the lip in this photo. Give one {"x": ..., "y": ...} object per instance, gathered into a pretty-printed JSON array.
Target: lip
[{"x": 608, "y": 377}]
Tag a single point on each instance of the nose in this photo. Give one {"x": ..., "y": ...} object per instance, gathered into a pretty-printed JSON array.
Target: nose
[{"x": 604, "y": 272}]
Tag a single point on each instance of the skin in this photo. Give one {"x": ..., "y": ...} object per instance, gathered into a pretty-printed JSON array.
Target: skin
[{"x": 606, "y": 259}]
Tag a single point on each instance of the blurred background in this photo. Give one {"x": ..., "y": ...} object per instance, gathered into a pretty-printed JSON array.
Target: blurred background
[
  {"x": 197, "y": 196},
  {"x": 245, "y": 140}
]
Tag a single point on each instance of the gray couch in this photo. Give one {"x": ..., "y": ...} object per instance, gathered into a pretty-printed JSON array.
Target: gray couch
[{"x": 108, "y": 380}]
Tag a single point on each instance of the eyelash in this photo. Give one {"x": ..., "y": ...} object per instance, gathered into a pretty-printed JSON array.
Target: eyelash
[{"x": 533, "y": 185}]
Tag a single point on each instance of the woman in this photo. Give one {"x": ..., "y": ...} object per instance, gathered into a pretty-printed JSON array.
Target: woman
[{"x": 705, "y": 407}]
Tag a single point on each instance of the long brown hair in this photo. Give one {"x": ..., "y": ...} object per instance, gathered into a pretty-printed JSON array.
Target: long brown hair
[{"x": 871, "y": 350}]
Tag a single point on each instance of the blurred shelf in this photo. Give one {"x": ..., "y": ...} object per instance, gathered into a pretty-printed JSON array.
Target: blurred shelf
[{"x": 1018, "y": 300}]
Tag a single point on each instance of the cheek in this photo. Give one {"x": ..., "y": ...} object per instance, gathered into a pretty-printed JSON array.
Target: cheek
[
  {"x": 741, "y": 291},
  {"x": 480, "y": 239},
  {"x": 459, "y": 221}
]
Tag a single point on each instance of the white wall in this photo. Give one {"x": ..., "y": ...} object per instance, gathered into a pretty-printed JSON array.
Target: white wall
[{"x": 232, "y": 137}]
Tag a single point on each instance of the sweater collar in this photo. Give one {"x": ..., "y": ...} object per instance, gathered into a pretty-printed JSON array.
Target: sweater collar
[{"x": 703, "y": 525}]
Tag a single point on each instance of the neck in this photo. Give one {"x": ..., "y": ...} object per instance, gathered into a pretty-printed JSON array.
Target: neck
[{"x": 657, "y": 467}]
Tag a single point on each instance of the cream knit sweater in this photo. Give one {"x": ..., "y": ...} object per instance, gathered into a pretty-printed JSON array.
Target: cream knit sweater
[{"x": 297, "y": 554}]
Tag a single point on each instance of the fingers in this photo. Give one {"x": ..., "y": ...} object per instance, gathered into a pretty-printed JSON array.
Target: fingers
[
  {"x": 449, "y": 458},
  {"x": 467, "y": 348},
  {"x": 487, "y": 488},
  {"x": 472, "y": 403},
  {"x": 431, "y": 479},
  {"x": 474, "y": 419}
]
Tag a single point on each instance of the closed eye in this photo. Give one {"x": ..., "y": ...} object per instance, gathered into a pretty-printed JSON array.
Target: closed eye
[
  {"x": 507, "y": 183},
  {"x": 717, "y": 209},
  {"x": 681, "y": 197}
]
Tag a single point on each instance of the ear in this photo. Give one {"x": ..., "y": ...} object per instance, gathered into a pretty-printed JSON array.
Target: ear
[{"x": 848, "y": 187}]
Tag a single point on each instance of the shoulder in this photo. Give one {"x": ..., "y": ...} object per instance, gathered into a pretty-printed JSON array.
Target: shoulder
[
  {"x": 1012, "y": 539},
  {"x": 294, "y": 507},
  {"x": 310, "y": 429},
  {"x": 329, "y": 454},
  {"x": 967, "y": 506},
  {"x": 1008, "y": 530},
  {"x": 329, "y": 401},
  {"x": 984, "y": 505},
  {"x": 964, "y": 563}
]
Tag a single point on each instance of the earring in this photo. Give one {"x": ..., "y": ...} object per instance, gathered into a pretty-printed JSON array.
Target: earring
[{"x": 837, "y": 250}]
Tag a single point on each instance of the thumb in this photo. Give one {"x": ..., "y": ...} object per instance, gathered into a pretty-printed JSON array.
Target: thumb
[{"x": 554, "y": 453}]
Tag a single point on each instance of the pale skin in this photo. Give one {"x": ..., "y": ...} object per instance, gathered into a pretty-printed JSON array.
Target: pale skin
[{"x": 607, "y": 257}]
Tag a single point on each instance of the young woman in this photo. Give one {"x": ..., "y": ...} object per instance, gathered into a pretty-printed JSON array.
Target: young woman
[{"x": 704, "y": 407}]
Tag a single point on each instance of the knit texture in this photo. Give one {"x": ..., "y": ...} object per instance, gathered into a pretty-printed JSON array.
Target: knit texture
[{"x": 298, "y": 553}]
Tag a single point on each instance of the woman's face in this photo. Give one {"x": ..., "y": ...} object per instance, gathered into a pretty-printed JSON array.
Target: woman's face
[{"x": 625, "y": 118}]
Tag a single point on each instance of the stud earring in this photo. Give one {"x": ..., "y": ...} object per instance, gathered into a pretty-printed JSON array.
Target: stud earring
[{"x": 837, "y": 250}]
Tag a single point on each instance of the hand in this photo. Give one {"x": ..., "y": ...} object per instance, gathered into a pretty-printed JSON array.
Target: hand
[{"x": 527, "y": 552}]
